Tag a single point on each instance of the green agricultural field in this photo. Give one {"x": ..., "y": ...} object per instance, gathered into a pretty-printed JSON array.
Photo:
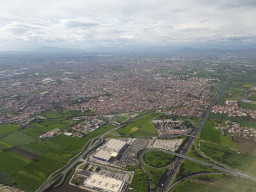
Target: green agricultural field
[
  {"x": 8, "y": 128},
  {"x": 77, "y": 143},
  {"x": 253, "y": 96},
  {"x": 237, "y": 94},
  {"x": 239, "y": 79},
  {"x": 227, "y": 142},
  {"x": 58, "y": 118},
  {"x": 4, "y": 145},
  {"x": 53, "y": 153},
  {"x": 65, "y": 181},
  {"x": 11, "y": 163},
  {"x": 70, "y": 143},
  {"x": 17, "y": 138},
  {"x": 60, "y": 113},
  {"x": 157, "y": 158},
  {"x": 215, "y": 183},
  {"x": 244, "y": 105},
  {"x": 2, "y": 177},
  {"x": 188, "y": 168},
  {"x": 139, "y": 182},
  {"x": 34, "y": 174},
  {"x": 232, "y": 158},
  {"x": 195, "y": 120},
  {"x": 46, "y": 126},
  {"x": 194, "y": 154},
  {"x": 209, "y": 133},
  {"x": 121, "y": 119},
  {"x": 31, "y": 132},
  {"x": 155, "y": 175},
  {"x": 224, "y": 117},
  {"x": 129, "y": 168},
  {"x": 140, "y": 127},
  {"x": 102, "y": 118},
  {"x": 111, "y": 133},
  {"x": 38, "y": 148}
]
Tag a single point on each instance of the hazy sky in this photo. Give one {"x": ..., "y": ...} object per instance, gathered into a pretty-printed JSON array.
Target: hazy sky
[{"x": 113, "y": 23}]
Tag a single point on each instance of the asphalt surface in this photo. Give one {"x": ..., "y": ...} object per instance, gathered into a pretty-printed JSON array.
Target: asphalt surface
[
  {"x": 198, "y": 174},
  {"x": 190, "y": 140},
  {"x": 230, "y": 171},
  {"x": 47, "y": 184},
  {"x": 185, "y": 148},
  {"x": 93, "y": 144}
]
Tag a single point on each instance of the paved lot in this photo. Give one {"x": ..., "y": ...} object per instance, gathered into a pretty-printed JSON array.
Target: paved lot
[
  {"x": 171, "y": 145},
  {"x": 117, "y": 176}
]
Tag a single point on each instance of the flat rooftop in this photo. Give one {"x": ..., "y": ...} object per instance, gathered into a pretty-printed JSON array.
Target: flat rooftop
[
  {"x": 111, "y": 148},
  {"x": 106, "y": 183},
  {"x": 115, "y": 145},
  {"x": 103, "y": 155}
]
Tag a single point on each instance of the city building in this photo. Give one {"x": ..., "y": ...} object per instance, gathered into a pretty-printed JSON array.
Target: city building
[
  {"x": 104, "y": 183},
  {"x": 110, "y": 150}
]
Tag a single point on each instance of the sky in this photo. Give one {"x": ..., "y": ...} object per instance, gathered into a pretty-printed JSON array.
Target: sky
[{"x": 89, "y": 24}]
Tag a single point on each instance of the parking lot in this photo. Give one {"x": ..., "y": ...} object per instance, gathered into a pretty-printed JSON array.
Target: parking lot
[
  {"x": 129, "y": 155},
  {"x": 171, "y": 145},
  {"x": 117, "y": 176}
]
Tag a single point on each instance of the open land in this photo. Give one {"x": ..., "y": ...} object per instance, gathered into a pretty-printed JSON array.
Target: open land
[
  {"x": 246, "y": 145},
  {"x": 140, "y": 182},
  {"x": 232, "y": 158},
  {"x": 157, "y": 158},
  {"x": 155, "y": 175},
  {"x": 42, "y": 157},
  {"x": 46, "y": 96},
  {"x": 188, "y": 168},
  {"x": 141, "y": 126},
  {"x": 213, "y": 183}
]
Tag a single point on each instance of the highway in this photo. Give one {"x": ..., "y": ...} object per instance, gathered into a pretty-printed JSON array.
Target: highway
[
  {"x": 169, "y": 175},
  {"x": 198, "y": 174},
  {"x": 92, "y": 145},
  {"x": 190, "y": 140},
  {"x": 174, "y": 167}
]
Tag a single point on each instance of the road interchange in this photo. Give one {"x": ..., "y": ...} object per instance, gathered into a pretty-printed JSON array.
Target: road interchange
[
  {"x": 175, "y": 165},
  {"x": 190, "y": 140}
]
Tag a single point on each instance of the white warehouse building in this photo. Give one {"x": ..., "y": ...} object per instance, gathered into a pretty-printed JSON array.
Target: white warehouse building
[
  {"x": 104, "y": 183},
  {"x": 111, "y": 149}
]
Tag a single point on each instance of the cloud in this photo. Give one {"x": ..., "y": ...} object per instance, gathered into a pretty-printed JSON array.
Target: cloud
[
  {"x": 19, "y": 28},
  {"x": 238, "y": 4},
  {"x": 85, "y": 24},
  {"x": 74, "y": 23}
]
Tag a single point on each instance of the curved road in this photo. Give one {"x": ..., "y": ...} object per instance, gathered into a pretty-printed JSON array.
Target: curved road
[
  {"x": 93, "y": 144},
  {"x": 230, "y": 171},
  {"x": 140, "y": 157},
  {"x": 190, "y": 140},
  {"x": 176, "y": 183}
]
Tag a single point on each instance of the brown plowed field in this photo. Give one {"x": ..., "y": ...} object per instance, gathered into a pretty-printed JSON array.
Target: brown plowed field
[
  {"x": 246, "y": 145},
  {"x": 24, "y": 153}
]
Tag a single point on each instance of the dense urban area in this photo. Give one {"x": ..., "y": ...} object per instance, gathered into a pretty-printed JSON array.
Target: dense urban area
[{"x": 127, "y": 122}]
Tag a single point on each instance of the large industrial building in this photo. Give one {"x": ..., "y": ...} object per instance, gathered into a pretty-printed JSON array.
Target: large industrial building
[
  {"x": 110, "y": 150},
  {"x": 104, "y": 183}
]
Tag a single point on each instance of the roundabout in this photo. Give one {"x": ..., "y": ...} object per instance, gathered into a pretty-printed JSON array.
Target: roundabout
[{"x": 155, "y": 158}]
